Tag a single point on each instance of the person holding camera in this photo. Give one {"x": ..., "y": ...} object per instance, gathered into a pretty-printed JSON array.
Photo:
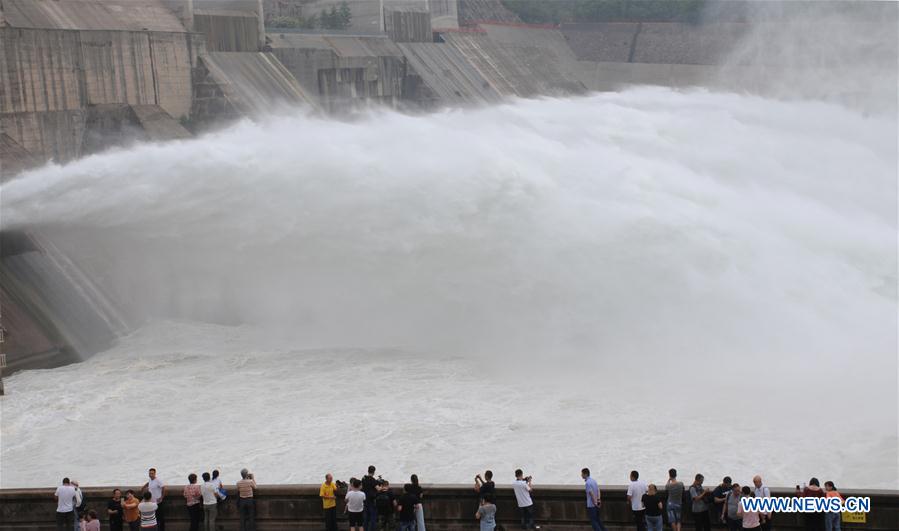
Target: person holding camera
[
  {"x": 522, "y": 488},
  {"x": 484, "y": 486},
  {"x": 246, "y": 504},
  {"x": 370, "y": 489}
]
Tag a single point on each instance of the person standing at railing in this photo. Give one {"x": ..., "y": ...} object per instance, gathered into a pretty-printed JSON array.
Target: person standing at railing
[
  {"x": 114, "y": 511},
  {"x": 370, "y": 509},
  {"x": 246, "y": 503},
  {"x": 486, "y": 514},
  {"x": 699, "y": 504},
  {"x": 522, "y": 487},
  {"x": 593, "y": 501},
  {"x": 635, "y": 491},
  {"x": 192, "y": 498},
  {"x": 156, "y": 488},
  {"x": 832, "y": 520},
  {"x": 65, "y": 506},
  {"x": 652, "y": 503},
  {"x": 148, "y": 508},
  {"x": 328, "y": 493},
  {"x": 210, "y": 494},
  {"x": 355, "y": 505},
  {"x": 750, "y": 520},
  {"x": 130, "y": 512},
  {"x": 675, "y": 491},
  {"x": 762, "y": 491}
]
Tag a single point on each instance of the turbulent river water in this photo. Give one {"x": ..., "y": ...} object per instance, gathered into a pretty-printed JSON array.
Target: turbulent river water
[{"x": 642, "y": 279}]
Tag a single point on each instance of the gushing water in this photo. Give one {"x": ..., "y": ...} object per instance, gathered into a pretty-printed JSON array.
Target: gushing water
[{"x": 633, "y": 267}]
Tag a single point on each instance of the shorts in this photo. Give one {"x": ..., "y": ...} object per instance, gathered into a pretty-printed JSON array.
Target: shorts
[
  {"x": 355, "y": 519},
  {"x": 675, "y": 516}
]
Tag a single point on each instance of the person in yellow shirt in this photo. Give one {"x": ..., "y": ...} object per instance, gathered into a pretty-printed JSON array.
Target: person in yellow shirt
[{"x": 328, "y": 494}]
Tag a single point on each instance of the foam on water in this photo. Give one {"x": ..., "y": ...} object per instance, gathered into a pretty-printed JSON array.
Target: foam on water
[{"x": 549, "y": 284}]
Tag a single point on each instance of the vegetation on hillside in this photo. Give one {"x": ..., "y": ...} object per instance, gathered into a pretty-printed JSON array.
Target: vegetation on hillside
[
  {"x": 336, "y": 18},
  {"x": 558, "y": 11}
]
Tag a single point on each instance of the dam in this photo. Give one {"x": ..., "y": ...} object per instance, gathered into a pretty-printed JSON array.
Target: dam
[{"x": 578, "y": 223}]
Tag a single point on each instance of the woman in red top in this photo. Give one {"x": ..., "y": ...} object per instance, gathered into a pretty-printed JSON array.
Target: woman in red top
[
  {"x": 193, "y": 497},
  {"x": 813, "y": 521}
]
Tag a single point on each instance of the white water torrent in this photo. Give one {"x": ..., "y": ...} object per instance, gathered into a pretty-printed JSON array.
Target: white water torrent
[{"x": 627, "y": 280}]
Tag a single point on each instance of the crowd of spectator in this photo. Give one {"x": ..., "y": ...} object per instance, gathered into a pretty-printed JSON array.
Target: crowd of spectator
[{"x": 371, "y": 505}]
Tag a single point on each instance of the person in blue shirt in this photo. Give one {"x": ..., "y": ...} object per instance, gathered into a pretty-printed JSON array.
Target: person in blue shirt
[{"x": 593, "y": 502}]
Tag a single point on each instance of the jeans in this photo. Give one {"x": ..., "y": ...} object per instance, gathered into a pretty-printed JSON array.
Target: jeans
[
  {"x": 247, "y": 509},
  {"x": 674, "y": 513},
  {"x": 64, "y": 520},
  {"x": 370, "y": 518},
  {"x": 832, "y": 521},
  {"x": 134, "y": 526},
  {"x": 195, "y": 512},
  {"x": 640, "y": 519},
  {"x": 595, "y": 522},
  {"x": 734, "y": 524},
  {"x": 420, "y": 518},
  {"x": 527, "y": 517},
  {"x": 160, "y": 516},
  {"x": 210, "y": 511},
  {"x": 331, "y": 519},
  {"x": 407, "y": 526},
  {"x": 701, "y": 521},
  {"x": 654, "y": 523}
]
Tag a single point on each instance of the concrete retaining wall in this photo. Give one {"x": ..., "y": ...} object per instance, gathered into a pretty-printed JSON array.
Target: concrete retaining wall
[{"x": 446, "y": 508}]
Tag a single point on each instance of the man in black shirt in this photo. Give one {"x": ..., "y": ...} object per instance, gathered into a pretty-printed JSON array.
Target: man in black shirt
[
  {"x": 406, "y": 508},
  {"x": 484, "y": 486},
  {"x": 370, "y": 489},
  {"x": 114, "y": 511},
  {"x": 385, "y": 504},
  {"x": 720, "y": 497}
]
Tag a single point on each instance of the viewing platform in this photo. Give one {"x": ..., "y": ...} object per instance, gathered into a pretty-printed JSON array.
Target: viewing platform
[{"x": 447, "y": 508}]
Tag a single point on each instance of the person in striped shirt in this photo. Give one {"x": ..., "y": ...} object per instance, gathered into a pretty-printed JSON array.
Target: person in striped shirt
[
  {"x": 147, "y": 510},
  {"x": 246, "y": 505}
]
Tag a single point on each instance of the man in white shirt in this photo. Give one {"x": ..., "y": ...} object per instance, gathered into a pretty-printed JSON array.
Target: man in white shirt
[
  {"x": 355, "y": 505},
  {"x": 635, "y": 492},
  {"x": 522, "y": 488},
  {"x": 65, "y": 505},
  {"x": 211, "y": 496},
  {"x": 156, "y": 488},
  {"x": 761, "y": 491}
]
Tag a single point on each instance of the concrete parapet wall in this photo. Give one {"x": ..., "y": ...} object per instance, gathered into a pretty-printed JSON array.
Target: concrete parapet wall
[{"x": 446, "y": 508}]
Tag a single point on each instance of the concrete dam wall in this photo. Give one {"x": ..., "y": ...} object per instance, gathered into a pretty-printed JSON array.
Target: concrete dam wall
[{"x": 446, "y": 508}]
